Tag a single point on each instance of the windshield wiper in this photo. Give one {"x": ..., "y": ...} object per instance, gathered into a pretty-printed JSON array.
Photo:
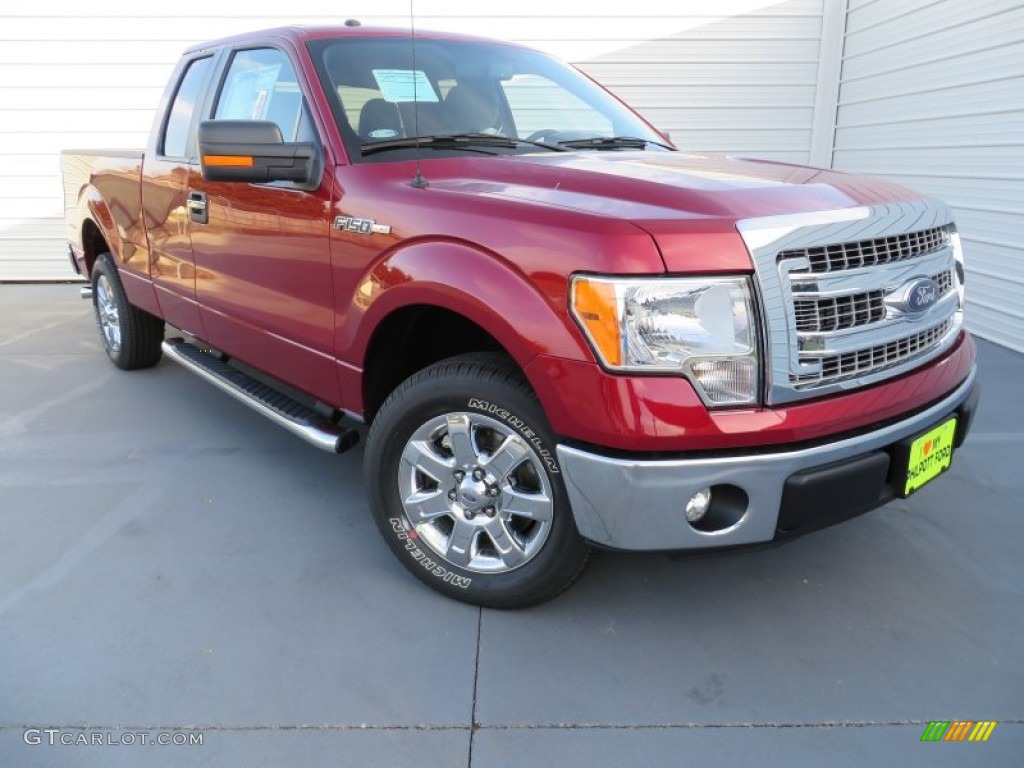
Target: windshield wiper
[
  {"x": 467, "y": 141},
  {"x": 612, "y": 142}
]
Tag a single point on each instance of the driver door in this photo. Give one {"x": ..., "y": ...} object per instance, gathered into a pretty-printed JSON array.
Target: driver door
[{"x": 262, "y": 251}]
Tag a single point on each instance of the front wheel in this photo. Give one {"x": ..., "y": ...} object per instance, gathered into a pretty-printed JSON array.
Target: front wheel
[{"x": 466, "y": 488}]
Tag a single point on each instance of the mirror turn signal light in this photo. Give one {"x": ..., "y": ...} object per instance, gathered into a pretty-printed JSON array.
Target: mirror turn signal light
[{"x": 236, "y": 160}]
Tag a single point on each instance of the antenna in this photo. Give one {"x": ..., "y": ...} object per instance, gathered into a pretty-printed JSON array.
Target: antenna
[{"x": 418, "y": 181}]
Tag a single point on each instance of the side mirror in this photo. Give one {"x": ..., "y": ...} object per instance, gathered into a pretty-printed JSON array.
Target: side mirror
[{"x": 253, "y": 151}]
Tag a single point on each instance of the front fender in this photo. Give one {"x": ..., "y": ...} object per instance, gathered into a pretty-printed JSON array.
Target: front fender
[{"x": 526, "y": 314}]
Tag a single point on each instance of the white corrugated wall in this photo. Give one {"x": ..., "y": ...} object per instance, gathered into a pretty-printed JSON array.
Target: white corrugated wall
[
  {"x": 742, "y": 84},
  {"x": 927, "y": 92},
  {"x": 729, "y": 75},
  {"x": 931, "y": 95}
]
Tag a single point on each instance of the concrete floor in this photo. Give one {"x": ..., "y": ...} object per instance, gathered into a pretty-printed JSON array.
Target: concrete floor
[{"x": 169, "y": 560}]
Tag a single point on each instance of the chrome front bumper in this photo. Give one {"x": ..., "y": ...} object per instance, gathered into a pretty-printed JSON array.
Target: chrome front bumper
[{"x": 638, "y": 504}]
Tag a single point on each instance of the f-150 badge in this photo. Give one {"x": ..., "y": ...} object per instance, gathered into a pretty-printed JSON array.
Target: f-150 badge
[{"x": 361, "y": 226}]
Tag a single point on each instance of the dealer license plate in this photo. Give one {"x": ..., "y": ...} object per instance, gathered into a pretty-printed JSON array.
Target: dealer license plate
[{"x": 930, "y": 456}]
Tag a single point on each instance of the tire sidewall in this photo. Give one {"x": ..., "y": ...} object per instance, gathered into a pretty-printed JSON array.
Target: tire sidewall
[
  {"x": 416, "y": 402},
  {"x": 141, "y": 332},
  {"x": 104, "y": 267}
]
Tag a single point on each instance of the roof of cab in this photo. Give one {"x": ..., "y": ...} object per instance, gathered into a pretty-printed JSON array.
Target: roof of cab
[{"x": 301, "y": 34}]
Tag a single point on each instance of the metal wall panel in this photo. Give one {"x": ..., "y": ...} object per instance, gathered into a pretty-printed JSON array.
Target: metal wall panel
[
  {"x": 931, "y": 95},
  {"x": 743, "y": 84},
  {"x": 724, "y": 75}
]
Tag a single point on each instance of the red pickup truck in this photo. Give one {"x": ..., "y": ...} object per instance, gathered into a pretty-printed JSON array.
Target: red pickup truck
[{"x": 558, "y": 330}]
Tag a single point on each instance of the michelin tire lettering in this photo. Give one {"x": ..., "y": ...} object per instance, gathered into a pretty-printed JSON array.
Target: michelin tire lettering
[
  {"x": 431, "y": 566},
  {"x": 518, "y": 424}
]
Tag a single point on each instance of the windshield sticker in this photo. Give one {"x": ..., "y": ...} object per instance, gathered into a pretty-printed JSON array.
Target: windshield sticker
[{"x": 404, "y": 85}]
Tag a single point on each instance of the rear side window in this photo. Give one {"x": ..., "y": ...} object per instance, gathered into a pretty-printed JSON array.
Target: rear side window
[
  {"x": 175, "y": 142},
  {"x": 261, "y": 85}
]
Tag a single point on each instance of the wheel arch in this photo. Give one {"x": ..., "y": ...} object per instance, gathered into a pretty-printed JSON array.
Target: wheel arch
[
  {"x": 93, "y": 244},
  {"x": 412, "y": 338},
  {"x": 428, "y": 301},
  {"x": 99, "y": 232}
]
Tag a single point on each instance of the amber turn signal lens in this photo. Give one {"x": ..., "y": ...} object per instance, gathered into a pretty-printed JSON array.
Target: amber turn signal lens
[
  {"x": 238, "y": 160},
  {"x": 594, "y": 304}
]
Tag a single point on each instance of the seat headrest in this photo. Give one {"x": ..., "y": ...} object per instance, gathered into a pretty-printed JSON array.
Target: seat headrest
[{"x": 379, "y": 120}]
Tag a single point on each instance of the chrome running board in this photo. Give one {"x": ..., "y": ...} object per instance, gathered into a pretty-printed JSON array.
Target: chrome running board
[{"x": 280, "y": 408}]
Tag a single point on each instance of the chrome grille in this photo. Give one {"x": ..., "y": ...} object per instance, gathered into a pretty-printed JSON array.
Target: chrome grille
[
  {"x": 870, "y": 253},
  {"x": 821, "y": 315},
  {"x": 840, "y": 294},
  {"x": 945, "y": 281},
  {"x": 851, "y": 365},
  {"x": 851, "y": 311}
]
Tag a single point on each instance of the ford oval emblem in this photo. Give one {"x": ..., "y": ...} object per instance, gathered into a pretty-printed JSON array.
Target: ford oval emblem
[
  {"x": 915, "y": 296},
  {"x": 922, "y": 294}
]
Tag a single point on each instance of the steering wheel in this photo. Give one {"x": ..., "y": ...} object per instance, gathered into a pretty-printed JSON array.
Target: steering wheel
[{"x": 542, "y": 134}]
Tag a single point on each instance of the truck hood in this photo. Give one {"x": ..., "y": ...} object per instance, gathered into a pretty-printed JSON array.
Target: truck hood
[{"x": 671, "y": 195}]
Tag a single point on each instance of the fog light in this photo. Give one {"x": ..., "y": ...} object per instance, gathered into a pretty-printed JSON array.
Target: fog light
[{"x": 698, "y": 505}]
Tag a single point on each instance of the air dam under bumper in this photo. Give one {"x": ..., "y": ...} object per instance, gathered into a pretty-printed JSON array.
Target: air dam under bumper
[{"x": 639, "y": 504}]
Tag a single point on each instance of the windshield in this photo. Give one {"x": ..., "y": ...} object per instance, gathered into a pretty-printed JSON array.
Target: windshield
[{"x": 463, "y": 88}]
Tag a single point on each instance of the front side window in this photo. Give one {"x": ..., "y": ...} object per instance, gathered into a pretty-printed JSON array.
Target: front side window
[
  {"x": 179, "y": 120},
  {"x": 261, "y": 85},
  {"x": 464, "y": 88}
]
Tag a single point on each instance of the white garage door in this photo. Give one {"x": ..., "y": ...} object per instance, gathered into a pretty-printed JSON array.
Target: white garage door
[{"x": 932, "y": 96}]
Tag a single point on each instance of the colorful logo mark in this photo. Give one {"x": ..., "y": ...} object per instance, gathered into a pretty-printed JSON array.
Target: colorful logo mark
[{"x": 959, "y": 730}]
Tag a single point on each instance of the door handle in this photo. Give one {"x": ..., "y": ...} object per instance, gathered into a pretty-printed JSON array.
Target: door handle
[{"x": 196, "y": 205}]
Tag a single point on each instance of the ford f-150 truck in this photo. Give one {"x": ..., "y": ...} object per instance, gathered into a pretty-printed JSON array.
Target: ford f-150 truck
[{"x": 556, "y": 329}]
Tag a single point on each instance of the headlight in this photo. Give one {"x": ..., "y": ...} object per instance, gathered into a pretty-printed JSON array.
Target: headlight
[{"x": 702, "y": 327}]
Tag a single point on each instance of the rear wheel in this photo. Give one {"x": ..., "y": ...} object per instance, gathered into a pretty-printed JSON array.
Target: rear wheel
[
  {"x": 131, "y": 336},
  {"x": 466, "y": 488}
]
